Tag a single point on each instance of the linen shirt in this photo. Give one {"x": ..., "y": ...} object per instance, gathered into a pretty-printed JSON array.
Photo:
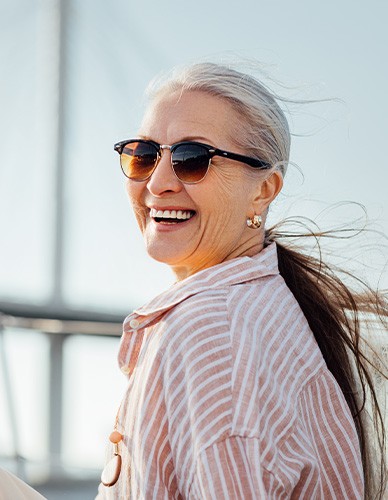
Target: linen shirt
[{"x": 229, "y": 396}]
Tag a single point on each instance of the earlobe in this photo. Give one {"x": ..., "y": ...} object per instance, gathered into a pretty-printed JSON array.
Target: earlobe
[{"x": 267, "y": 192}]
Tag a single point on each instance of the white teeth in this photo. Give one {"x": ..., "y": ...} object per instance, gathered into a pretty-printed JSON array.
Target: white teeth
[{"x": 171, "y": 214}]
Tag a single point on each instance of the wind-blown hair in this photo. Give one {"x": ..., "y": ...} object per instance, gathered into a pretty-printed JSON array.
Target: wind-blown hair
[{"x": 334, "y": 310}]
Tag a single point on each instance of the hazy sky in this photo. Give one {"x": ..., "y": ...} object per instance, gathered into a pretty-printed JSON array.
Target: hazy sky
[{"x": 316, "y": 50}]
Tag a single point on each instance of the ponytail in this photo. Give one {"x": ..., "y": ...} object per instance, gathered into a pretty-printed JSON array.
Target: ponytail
[{"x": 335, "y": 313}]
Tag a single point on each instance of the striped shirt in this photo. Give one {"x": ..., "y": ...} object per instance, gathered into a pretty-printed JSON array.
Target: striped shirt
[{"x": 229, "y": 396}]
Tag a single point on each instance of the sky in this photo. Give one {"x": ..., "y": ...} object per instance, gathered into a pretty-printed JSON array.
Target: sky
[{"x": 333, "y": 52}]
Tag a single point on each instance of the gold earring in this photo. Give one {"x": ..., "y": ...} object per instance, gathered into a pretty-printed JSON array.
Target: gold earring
[{"x": 254, "y": 222}]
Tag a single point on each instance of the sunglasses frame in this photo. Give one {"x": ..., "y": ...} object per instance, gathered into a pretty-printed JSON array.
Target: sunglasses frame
[{"x": 248, "y": 160}]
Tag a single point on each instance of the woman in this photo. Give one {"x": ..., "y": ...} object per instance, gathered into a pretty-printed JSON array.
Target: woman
[{"x": 240, "y": 383}]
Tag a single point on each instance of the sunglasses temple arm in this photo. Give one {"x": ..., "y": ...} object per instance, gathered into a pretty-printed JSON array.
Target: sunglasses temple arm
[{"x": 252, "y": 162}]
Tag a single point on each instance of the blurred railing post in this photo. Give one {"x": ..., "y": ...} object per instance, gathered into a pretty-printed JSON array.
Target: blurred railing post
[
  {"x": 56, "y": 402},
  {"x": 59, "y": 181}
]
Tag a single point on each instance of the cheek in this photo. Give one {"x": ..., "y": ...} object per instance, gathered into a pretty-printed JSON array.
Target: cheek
[
  {"x": 227, "y": 192},
  {"x": 135, "y": 192},
  {"x": 210, "y": 198}
]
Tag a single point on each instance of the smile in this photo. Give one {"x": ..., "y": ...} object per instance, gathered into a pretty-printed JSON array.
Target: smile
[{"x": 171, "y": 216}]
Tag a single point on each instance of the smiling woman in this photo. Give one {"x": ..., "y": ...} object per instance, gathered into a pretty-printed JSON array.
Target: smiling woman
[
  {"x": 210, "y": 234},
  {"x": 241, "y": 375}
]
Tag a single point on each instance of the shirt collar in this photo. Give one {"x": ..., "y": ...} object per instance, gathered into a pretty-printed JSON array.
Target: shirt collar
[{"x": 231, "y": 272}]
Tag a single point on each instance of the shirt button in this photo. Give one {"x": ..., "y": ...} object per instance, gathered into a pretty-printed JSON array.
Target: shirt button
[
  {"x": 134, "y": 323},
  {"x": 125, "y": 369}
]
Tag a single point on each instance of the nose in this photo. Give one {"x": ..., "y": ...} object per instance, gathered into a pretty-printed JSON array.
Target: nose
[{"x": 163, "y": 180}]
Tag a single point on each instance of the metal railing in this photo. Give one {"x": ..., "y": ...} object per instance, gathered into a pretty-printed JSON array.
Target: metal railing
[{"x": 58, "y": 326}]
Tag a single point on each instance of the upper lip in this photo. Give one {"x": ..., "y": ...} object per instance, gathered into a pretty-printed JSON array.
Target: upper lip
[{"x": 172, "y": 208}]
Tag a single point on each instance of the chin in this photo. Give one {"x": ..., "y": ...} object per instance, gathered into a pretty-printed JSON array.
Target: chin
[{"x": 165, "y": 256}]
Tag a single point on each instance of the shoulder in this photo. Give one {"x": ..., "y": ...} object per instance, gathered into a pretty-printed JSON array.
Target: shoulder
[
  {"x": 257, "y": 326},
  {"x": 274, "y": 355},
  {"x": 265, "y": 317}
]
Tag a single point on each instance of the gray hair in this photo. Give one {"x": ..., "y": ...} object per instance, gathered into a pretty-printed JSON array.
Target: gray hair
[{"x": 262, "y": 131}]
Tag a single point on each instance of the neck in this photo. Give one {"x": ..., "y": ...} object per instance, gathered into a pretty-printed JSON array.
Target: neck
[{"x": 251, "y": 247}]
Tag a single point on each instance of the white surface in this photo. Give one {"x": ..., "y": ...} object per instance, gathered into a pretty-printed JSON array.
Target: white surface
[{"x": 13, "y": 488}]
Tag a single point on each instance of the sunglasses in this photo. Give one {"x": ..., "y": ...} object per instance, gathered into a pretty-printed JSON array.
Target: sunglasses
[{"x": 190, "y": 160}]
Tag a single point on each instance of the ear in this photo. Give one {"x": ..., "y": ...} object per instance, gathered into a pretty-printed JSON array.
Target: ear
[{"x": 267, "y": 191}]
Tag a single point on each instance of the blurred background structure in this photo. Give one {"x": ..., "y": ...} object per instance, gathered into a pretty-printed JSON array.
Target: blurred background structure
[{"x": 72, "y": 264}]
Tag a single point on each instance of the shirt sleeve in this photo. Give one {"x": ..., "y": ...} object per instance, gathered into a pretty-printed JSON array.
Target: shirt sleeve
[
  {"x": 229, "y": 469},
  {"x": 319, "y": 458},
  {"x": 328, "y": 431}
]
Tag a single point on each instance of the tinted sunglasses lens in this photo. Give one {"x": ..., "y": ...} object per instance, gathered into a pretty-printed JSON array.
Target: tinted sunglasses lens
[
  {"x": 190, "y": 162},
  {"x": 138, "y": 160}
]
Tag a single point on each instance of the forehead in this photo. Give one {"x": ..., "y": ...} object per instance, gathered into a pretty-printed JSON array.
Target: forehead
[{"x": 190, "y": 114}]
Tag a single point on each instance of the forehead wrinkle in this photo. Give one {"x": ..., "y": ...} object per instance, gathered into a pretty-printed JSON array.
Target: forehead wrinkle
[{"x": 179, "y": 132}]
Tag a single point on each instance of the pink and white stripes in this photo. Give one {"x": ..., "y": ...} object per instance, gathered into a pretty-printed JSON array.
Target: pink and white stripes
[{"x": 229, "y": 396}]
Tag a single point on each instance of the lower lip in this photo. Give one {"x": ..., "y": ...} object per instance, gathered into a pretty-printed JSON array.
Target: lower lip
[{"x": 166, "y": 227}]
